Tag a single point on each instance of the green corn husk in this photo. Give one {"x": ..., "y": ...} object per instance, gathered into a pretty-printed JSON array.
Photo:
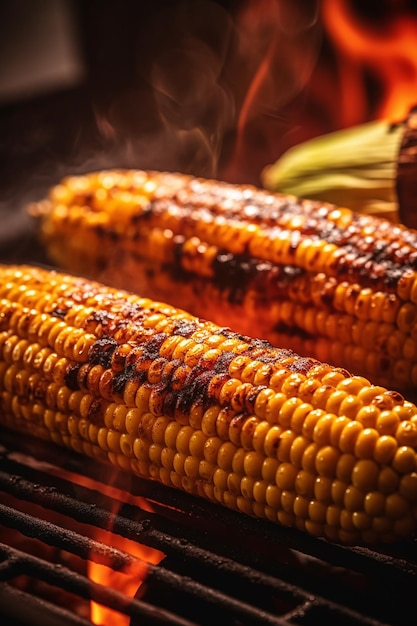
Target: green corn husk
[{"x": 355, "y": 168}]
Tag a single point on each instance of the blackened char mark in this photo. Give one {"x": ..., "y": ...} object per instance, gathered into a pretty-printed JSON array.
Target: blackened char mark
[
  {"x": 101, "y": 352},
  {"x": 195, "y": 389}
]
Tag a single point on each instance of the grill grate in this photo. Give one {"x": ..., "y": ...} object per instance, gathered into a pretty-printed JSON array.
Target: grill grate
[{"x": 219, "y": 564}]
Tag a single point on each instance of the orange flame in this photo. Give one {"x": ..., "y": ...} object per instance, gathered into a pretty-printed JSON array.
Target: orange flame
[
  {"x": 129, "y": 581},
  {"x": 319, "y": 67},
  {"x": 386, "y": 48}
]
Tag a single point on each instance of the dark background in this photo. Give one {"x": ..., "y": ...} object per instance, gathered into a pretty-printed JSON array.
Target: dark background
[{"x": 169, "y": 85}]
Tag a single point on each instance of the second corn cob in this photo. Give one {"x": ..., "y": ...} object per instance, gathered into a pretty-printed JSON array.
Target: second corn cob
[
  {"x": 319, "y": 279},
  {"x": 169, "y": 397}
]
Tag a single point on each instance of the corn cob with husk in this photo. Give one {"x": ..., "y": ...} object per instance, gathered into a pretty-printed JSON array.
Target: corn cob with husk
[
  {"x": 321, "y": 280},
  {"x": 170, "y": 397}
]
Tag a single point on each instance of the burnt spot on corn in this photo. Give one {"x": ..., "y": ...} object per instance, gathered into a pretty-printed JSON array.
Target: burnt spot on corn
[
  {"x": 101, "y": 352},
  {"x": 71, "y": 376},
  {"x": 196, "y": 386},
  {"x": 96, "y": 411},
  {"x": 184, "y": 327},
  {"x": 134, "y": 365}
]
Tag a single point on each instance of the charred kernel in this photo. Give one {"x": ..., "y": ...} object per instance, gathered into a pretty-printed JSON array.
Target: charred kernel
[{"x": 248, "y": 432}]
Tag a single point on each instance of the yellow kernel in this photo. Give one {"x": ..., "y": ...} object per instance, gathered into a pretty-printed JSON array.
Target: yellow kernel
[
  {"x": 301, "y": 505},
  {"x": 404, "y": 460},
  {"x": 385, "y": 449},
  {"x": 408, "y": 486},
  {"x": 183, "y": 439},
  {"x": 361, "y": 520},
  {"x": 248, "y": 431},
  {"x": 208, "y": 423},
  {"x": 345, "y": 466},
  {"x": 167, "y": 458},
  {"x": 269, "y": 469},
  {"x": 382, "y": 524},
  {"x": 308, "y": 461},
  {"x": 206, "y": 470},
  {"x": 349, "y": 436},
  {"x": 326, "y": 461},
  {"x": 192, "y": 466},
  {"x": 225, "y": 455},
  {"x": 298, "y": 448},
  {"x": 196, "y": 444},
  {"x": 350, "y": 406},
  {"x": 287, "y": 501},
  {"x": 259, "y": 491},
  {"x": 365, "y": 443},
  {"x": 171, "y": 434},
  {"x": 158, "y": 430},
  {"x": 333, "y": 515},
  {"x": 253, "y": 464},
  {"x": 387, "y": 423},
  {"x": 285, "y": 476},
  {"x": 365, "y": 475},
  {"x": 310, "y": 422},
  {"x": 273, "y": 496},
  {"x": 211, "y": 449},
  {"x": 246, "y": 487},
  {"x": 220, "y": 479},
  {"x": 287, "y": 411},
  {"x": 368, "y": 415},
  {"x": 354, "y": 499},
  {"x": 238, "y": 461},
  {"x": 196, "y": 415},
  {"x": 299, "y": 415},
  {"x": 374, "y": 503},
  {"x": 317, "y": 511},
  {"x": 406, "y": 434},
  {"x": 388, "y": 480},
  {"x": 336, "y": 429},
  {"x": 261, "y": 402},
  {"x": 323, "y": 489},
  {"x": 304, "y": 483},
  {"x": 285, "y": 444},
  {"x": 273, "y": 407},
  {"x": 338, "y": 491},
  {"x": 335, "y": 400},
  {"x": 259, "y": 436},
  {"x": 321, "y": 433},
  {"x": 272, "y": 440},
  {"x": 396, "y": 506},
  {"x": 314, "y": 528}
]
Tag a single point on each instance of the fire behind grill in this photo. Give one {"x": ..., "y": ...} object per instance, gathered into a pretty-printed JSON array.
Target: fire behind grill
[{"x": 219, "y": 564}]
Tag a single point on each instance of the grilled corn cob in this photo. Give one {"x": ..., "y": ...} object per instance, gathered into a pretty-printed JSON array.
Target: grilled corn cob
[
  {"x": 180, "y": 400},
  {"x": 321, "y": 280}
]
